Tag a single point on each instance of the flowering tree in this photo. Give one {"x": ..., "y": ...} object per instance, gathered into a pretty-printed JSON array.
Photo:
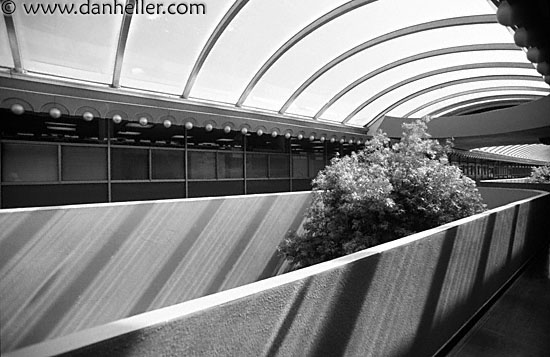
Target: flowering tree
[
  {"x": 384, "y": 192},
  {"x": 540, "y": 174}
]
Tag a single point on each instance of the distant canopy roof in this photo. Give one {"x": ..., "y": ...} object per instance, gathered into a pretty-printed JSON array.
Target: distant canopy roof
[{"x": 339, "y": 61}]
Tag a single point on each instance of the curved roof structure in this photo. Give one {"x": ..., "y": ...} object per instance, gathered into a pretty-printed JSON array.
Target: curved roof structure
[
  {"x": 539, "y": 152},
  {"x": 319, "y": 63}
]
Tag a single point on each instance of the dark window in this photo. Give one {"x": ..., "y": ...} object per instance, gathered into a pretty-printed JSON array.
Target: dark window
[
  {"x": 279, "y": 166},
  {"x": 202, "y": 165},
  {"x": 267, "y": 186},
  {"x": 230, "y": 165},
  {"x": 215, "y": 188},
  {"x": 301, "y": 185},
  {"x": 316, "y": 164},
  {"x": 83, "y": 163},
  {"x": 129, "y": 164},
  {"x": 22, "y": 162},
  {"x": 168, "y": 164},
  {"x": 52, "y": 195},
  {"x": 299, "y": 166},
  {"x": 256, "y": 166},
  {"x": 147, "y": 191}
]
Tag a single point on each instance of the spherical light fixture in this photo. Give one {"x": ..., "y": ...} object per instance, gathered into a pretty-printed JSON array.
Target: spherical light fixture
[
  {"x": 167, "y": 123},
  {"x": 333, "y": 139},
  {"x": 543, "y": 68},
  {"x": 88, "y": 116},
  {"x": 143, "y": 121},
  {"x": 342, "y": 141},
  {"x": 287, "y": 136},
  {"x": 259, "y": 132},
  {"x": 244, "y": 131},
  {"x": 322, "y": 139},
  {"x": 311, "y": 137},
  {"x": 188, "y": 125},
  {"x": 274, "y": 133},
  {"x": 208, "y": 127},
  {"x": 506, "y": 15},
  {"x": 117, "y": 119},
  {"x": 17, "y": 109},
  {"x": 350, "y": 141},
  {"x": 55, "y": 113},
  {"x": 523, "y": 38},
  {"x": 535, "y": 54},
  {"x": 227, "y": 129},
  {"x": 300, "y": 136}
]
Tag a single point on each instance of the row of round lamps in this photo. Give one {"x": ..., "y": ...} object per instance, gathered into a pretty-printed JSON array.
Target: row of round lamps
[{"x": 55, "y": 113}]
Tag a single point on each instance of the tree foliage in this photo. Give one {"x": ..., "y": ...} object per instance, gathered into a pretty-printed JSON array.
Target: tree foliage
[
  {"x": 384, "y": 192},
  {"x": 540, "y": 174}
]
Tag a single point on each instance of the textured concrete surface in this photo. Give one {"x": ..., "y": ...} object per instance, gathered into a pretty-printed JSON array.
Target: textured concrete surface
[
  {"x": 518, "y": 324},
  {"x": 66, "y": 269},
  {"x": 403, "y": 298}
]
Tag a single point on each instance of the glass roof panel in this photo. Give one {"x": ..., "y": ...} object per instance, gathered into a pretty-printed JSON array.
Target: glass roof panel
[
  {"x": 492, "y": 86},
  {"x": 460, "y": 99},
  {"x": 352, "y": 99},
  {"x": 346, "y": 32},
  {"x": 259, "y": 29},
  {"x": 65, "y": 45},
  {"x": 487, "y": 103},
  {"x": 162, "y": 49},
  {"x": 336, "y": 79},
  {"x": 368, "y": 113},
  {"x": 6, "y": 59}
]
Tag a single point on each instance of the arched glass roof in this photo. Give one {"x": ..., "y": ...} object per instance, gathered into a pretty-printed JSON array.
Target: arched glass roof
[
  {"x": 539, "y": 152},
  {"x": 336, "y": 61}
]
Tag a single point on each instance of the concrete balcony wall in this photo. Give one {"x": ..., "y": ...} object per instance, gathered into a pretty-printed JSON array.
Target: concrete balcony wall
[
  {"x": 64, "y": 269},
  {"x": 406, "y": 297},
  {"x": 514, "y": 185},
  {"x": 497, "y": 196}
]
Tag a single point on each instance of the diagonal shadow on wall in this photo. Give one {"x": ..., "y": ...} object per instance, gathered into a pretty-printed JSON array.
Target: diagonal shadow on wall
[
  {"x": 68, "y": 298},
  {"x": 272, "y": 267},
  {"x": 179, "y": 254},
  {"x": 336, "y": 331},
  {"x": 243, "y": 242},
  {"x": 284, "y": 327},
  {"x": 26, "y": 232}
]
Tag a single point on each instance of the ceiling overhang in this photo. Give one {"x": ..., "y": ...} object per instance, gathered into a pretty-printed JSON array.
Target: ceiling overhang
[
  {"x": 40, "y": 96},
  {"x": 521, "y": 124}
]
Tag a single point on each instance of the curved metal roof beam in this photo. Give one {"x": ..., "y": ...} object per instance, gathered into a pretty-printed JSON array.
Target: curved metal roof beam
[
  {"x": 14, "y": 44},
  {"x": 454, "y": 82},
  {"x": 432, "y": 25},
  {"x": 464, "y": 108},
  {"x": 321, "y": 21},
  {"x": 524, "y": 149},
  {"x": 527, "y": 151},
  {"x": 474, "y": 91},
  {"x": 488, "y": 104},
  {"x": 214, "y": 37},
  {"x": 433, "y": 73},
  {"x": 509, "y": 149},
  {"x": 121, "y": 48},
  {"x": 428, "y": 54},
  {"x": 484, "y": 102}
]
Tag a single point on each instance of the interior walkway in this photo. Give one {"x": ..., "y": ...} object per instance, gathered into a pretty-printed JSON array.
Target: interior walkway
[{"x": 518, "y": 324}]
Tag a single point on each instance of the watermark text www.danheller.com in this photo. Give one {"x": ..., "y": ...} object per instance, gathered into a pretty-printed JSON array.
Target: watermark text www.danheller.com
[{"x": 111, "y": 7}]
